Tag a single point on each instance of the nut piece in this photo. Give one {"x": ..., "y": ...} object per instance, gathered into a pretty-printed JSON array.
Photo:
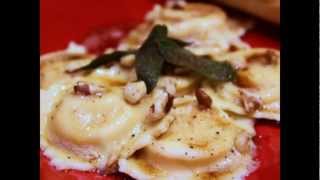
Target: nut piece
[
  {"x": 155, "y": 114},
  {"x": 242, "y": 142},
  {"x": 204, "y": 100},
  {"x": 160, "y": 107},
  {"x": 113, "y": 168},
  {"x": 169, "y": 104},
  {"x": 249, "y": 101},
  {"x": 132, "y": 75},
  {"x": 86, "y": 89},
  {"x": 244, "y": 80},
  {"x": 168, "y": 83},
  {"x": 268, "y": 57},
  {"x": 127, "y": 61},
  {"x": 134, "y": 92}
]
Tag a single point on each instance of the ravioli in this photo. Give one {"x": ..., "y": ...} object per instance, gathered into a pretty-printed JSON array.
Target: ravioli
[
  {"x": 256, "y": 93},
  {"x": 54, "y": 67},
  {"x": 103, "y": 120},
  {"x": 92, "y": 132},
  {"x": 198, "y": 143},
  {"x": 206, "y": 27}
]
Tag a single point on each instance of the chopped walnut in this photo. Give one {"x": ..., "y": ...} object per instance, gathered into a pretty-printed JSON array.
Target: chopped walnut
[
  {"x": 154, "y": 114},
  {"x": 127, "y": 61},
  {"x": 86, "y": 89},
  {"x": 168, "y": 84},
  {"x": 134, "y": 92},
  {"x": 244, "y": 80},
  {"x": 113, "y": 168},
  {"x": 132, "y": 75},
  {"x": 162, "y": 105},
  {"x": 268, "y": 57},
  {"x": 249, "y": 101},
  {"x": 169, "y": 103},
  {"x": 204, "y": 100}
]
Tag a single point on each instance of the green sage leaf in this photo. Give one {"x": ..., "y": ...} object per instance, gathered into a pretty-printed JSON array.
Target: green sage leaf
[
  {"x": 103, "y": 59},
  {"x": 203, "y": 65},
  {"x": 149, "y": 61}
]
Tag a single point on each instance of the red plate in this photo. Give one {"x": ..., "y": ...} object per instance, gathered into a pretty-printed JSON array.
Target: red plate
[{"x": 100, "y": 24}]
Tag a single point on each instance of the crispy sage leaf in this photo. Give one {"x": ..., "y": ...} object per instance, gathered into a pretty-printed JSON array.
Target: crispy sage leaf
[
  {"x": 203, "y": 65},
  {"x": 103, "y": 59},
  {"x": 158, "y": 50},
  {"x": 149, "y": 61}
]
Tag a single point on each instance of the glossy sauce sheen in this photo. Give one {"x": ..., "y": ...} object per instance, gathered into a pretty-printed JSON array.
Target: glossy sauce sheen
[{"x": 101, "y": 24}]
